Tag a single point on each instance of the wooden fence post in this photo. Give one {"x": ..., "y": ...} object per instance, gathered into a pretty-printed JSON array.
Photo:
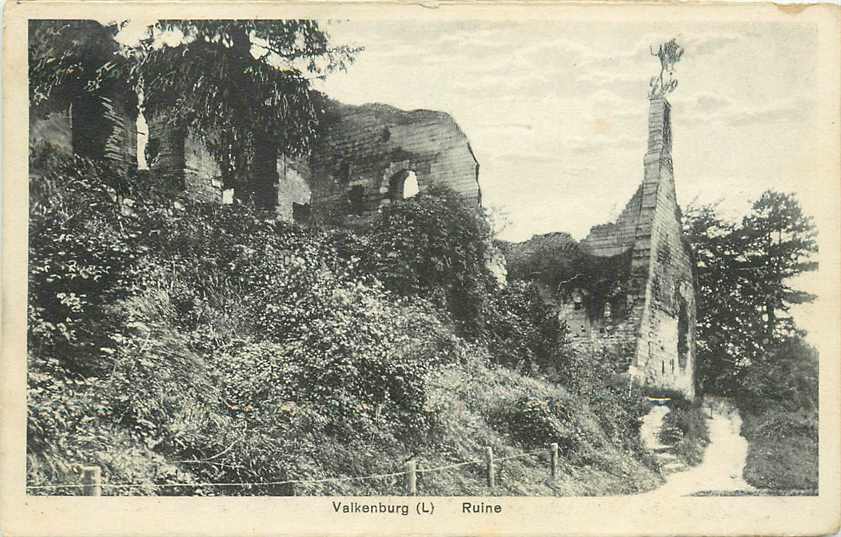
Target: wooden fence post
[
  {"x": 411, "y": 479},
  {"x": 553, "y": 451},
  {"x": 489, "y": 460},
  {"x": 92, "y": 481}
]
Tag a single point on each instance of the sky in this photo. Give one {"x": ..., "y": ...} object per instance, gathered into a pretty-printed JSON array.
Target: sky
[{"x": 556, "y": 111}]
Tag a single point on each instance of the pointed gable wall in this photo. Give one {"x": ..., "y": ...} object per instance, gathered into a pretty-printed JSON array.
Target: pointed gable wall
[
  {"x": 658, "y": 324},
  {"x": 665, "y": 357}
]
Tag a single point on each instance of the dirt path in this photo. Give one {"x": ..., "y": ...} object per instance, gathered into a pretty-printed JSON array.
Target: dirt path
[{"x": 724, "y": 458}]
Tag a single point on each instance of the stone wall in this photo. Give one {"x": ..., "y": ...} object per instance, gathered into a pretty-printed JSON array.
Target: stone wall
[
  {"x": 120, "y": 145},
  {"x": 293, "y": 190},
  {"x": 648, "y": 306},
  {"x": 363, "y": 154},
  {"x": 665, "y": 357},
  {"x": 94, "y": 126},
  {"x": 183, "y": 161},
  {"x": 358, "y": 162}
]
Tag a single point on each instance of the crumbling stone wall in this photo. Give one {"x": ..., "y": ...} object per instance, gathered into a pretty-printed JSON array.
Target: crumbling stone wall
[
  {"x": 293, "y": 190},
  {"x": 98, "y": 127},
  {"x": 180, "y": 158},
  {"x": 120, "y": 115},
  {"x": 359, "y": 161},
  {"x": 650, "y": 305},
  {"x": 665, "y": 356},
  {"x": 364, "y": 153}
]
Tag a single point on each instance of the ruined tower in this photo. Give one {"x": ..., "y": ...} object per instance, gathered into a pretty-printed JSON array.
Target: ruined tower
[
  {"x": 649, "y": 309},
  {"x": 665, "y": 350}
]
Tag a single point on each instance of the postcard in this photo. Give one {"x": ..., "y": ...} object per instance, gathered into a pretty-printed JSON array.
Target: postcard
[{"x": 421, "y": 269}]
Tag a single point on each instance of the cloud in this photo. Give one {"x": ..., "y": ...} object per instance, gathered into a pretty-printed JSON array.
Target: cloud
[
  {"x": 709, "y": 102},
  {"x": 502, "y": 83},
  {"x": 531, "y": 157},
  {"x": 709, "y": 107},
  {"x": 792, "y": 110},
  {"x": 599, "y": 143},
  {"x": 704, "y": 44}
]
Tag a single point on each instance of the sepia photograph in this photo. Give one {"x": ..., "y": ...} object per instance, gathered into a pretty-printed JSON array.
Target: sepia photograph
[{"x": 366, "y": 259}]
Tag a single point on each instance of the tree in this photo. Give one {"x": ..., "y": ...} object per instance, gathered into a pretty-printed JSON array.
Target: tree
[
  {"x": 744, "y": 273},
  {"x": 242, "y": 86},
  {"x": 778, "y": 242},
  {"x": 68, "y": 59}
]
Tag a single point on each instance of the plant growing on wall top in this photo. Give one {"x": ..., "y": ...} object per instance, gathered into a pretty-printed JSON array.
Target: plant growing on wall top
[{"x": 669, "y": 53}]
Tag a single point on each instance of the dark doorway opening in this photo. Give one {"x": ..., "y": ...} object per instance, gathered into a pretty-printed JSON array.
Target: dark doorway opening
[{"x": 682, "y": 333}]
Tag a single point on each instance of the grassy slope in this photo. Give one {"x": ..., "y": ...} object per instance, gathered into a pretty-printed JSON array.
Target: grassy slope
[
  {"x": 154, "y": 410},
  {"x": 468, "y": 396}
]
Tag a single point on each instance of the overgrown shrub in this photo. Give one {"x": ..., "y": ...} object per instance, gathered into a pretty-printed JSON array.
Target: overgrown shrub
[
  {"x": 787, "y": 378},
  {"x": 435, "y": 246},
  {"x": 83, "y": 255},
  {"x": 538, "y": 422},
  {"x": 522, "y": 331},
  {"x": 779, "y": 406},
  {"x": 210, "y": 335},
  {"x": 685, "y": 429},
  {"x": 783, "y": 449}
]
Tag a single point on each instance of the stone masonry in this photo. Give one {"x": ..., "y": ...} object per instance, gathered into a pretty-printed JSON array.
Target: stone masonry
[
  {"x": 181, "y": 159},
  {"x": 360, "y": 161},
  {"x": 365, "y": 153},
  {"x": 98, "y": 127},
  {"x": 651, "y": 310}
]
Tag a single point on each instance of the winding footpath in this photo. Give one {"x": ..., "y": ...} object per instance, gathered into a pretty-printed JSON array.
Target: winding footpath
[{"x": 724, "y": 457}]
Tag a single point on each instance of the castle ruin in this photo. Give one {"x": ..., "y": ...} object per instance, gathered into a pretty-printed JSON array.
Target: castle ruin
[
  {"x": 362, "y": 159},
  {"x": 628, "y": 286},
  {"x": 659, "y": 307}
]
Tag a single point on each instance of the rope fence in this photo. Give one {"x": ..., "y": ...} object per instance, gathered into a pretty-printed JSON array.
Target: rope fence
[{"x": 92, "y": 484}]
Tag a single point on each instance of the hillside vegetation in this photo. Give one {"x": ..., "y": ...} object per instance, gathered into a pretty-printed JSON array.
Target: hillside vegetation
[
  {"x": 749, "y": 345},
  {"x": 178, "y": 343}
]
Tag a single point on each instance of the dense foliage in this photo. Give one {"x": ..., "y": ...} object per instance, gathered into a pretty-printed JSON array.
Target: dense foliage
[
  {"x": 71, "y": 58},
  {"x": 744, "y": 285},
  {"x": 557, "y": 262},
  {"x": 175, "y": 343},
  {"x": 783, "y": 454},
  {"x": 195, "y": 332},
  {"x": 749, "y": 345},
  {"x": 433, "y": 246},
  {"x": 522, "y": 331},
  {"x": 780, "y": 410}
]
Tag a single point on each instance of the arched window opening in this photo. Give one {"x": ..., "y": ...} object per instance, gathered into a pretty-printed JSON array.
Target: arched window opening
[
  {"x": 403, "y": 185},
  {"x": 410, "y": 186}
]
